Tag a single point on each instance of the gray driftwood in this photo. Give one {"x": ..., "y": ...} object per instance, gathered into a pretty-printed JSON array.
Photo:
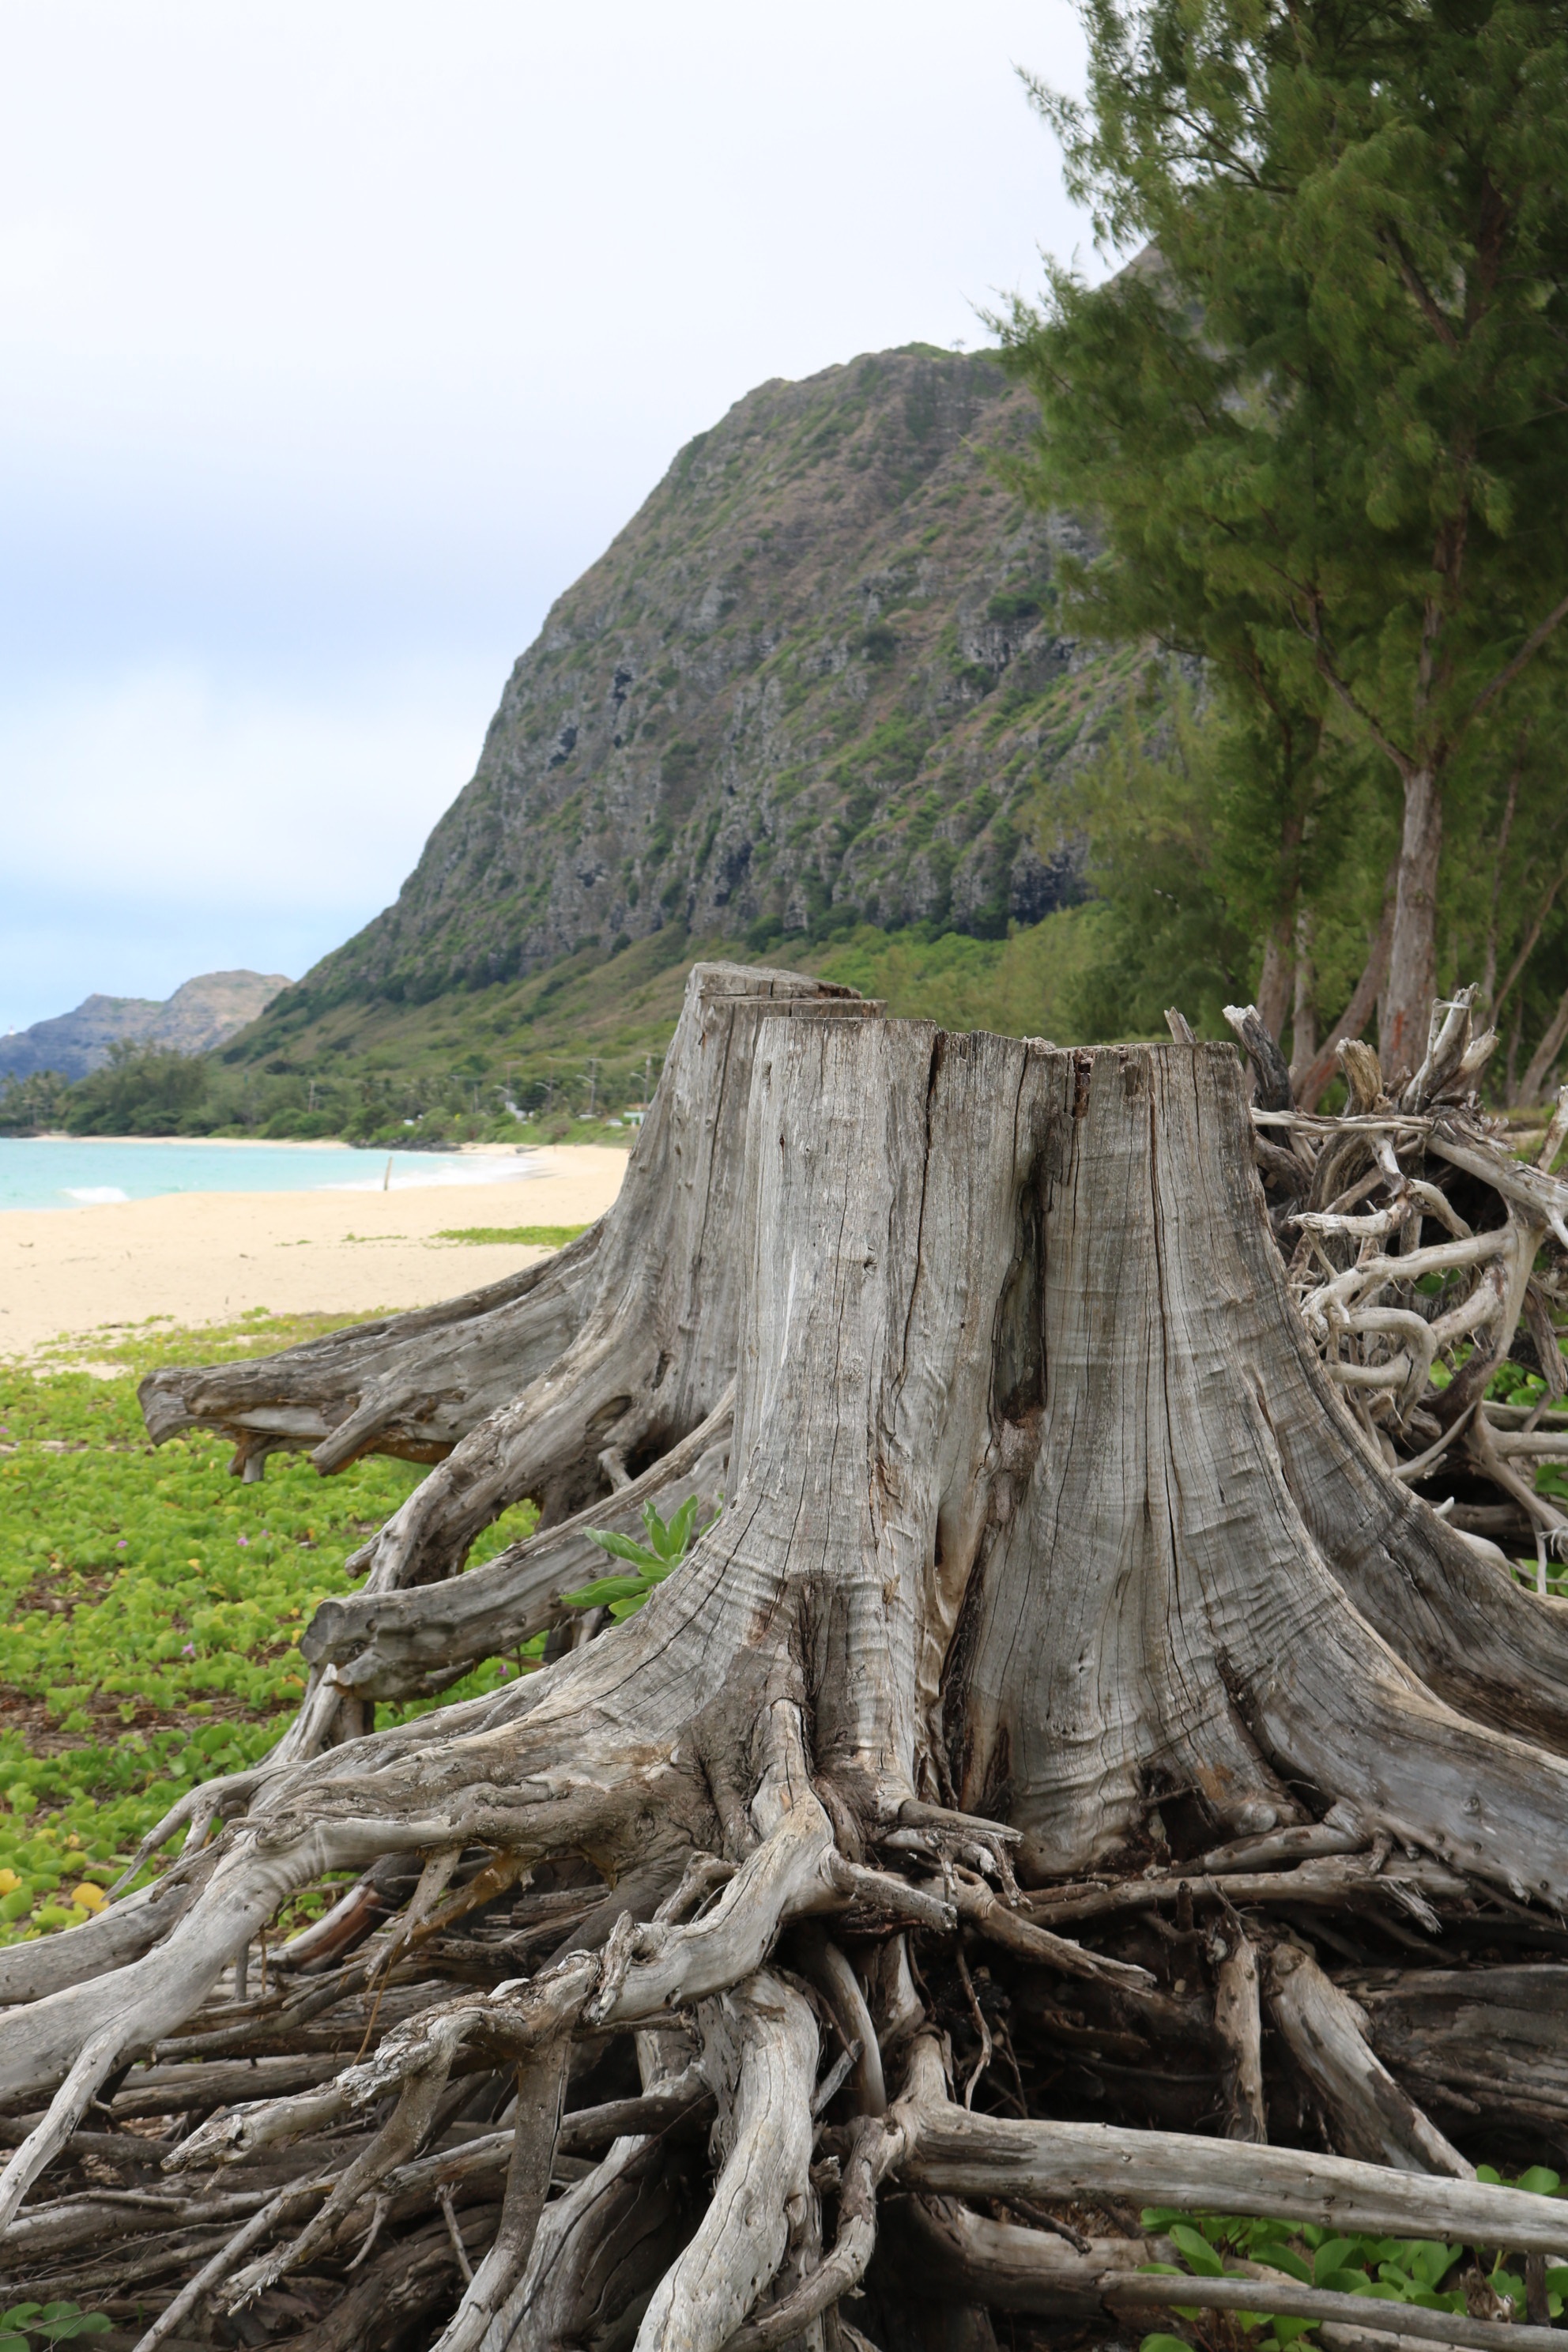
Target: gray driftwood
[
  {"x": 656, "y": 1268},
  {"x": 1058, "y": 1552}
]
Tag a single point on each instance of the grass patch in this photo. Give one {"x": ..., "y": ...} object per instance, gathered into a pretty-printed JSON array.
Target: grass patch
[
  {"x": 375, "y": 1063},
  {"x": 525, "y": 1236},
  {"x": 1015, "y": 986},
  {"x": 153, "y": 1605}
]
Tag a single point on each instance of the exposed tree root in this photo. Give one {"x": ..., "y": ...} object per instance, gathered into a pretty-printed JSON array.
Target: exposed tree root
[
  {"x": 408, "y": 1644},
  {"x": 1325, "y": 2031},
  {"x": 643, "y": 1307},
  {"x": 410, "y": 1385},
  {"x": 1038, "y": 1791}
]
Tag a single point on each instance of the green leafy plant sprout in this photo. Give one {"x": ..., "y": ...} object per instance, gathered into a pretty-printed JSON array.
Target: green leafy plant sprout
[
  {"x": 650, "y": 1563},
  {"x": 1387, "y": 2270},
  {"x": 50, "y": 2323}
]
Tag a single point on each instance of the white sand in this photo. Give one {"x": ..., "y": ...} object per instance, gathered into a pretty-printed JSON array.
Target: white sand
[{"x": 204, "y": 1257}]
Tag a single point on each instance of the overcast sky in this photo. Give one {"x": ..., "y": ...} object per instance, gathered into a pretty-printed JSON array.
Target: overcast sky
[{"x": 336, "y": 339}]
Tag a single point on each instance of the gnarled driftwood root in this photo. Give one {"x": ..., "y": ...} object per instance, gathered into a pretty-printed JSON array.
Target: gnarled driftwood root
[{"x": 698, "y": 1980}]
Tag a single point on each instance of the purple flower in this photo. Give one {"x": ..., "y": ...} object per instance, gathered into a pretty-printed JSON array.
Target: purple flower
[
  {"x": 189, "y": 1651},
  {"x": 120, "y": 1545},
  {"x": 243, "y": 1539}
]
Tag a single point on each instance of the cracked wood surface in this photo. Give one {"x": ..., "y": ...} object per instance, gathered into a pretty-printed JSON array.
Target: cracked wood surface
[{"x": 1040, "y": 1503}]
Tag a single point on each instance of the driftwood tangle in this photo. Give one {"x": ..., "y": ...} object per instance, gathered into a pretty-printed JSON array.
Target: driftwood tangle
[{"x": 1080, "y": 1768}]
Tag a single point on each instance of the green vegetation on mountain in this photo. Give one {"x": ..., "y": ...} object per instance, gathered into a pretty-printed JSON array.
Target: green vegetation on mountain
[
  {"x": 812, "y": 683},
  {"x": 587, "y": 1030}
]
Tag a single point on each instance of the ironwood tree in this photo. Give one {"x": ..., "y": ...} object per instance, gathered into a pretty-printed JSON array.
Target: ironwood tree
[
  {"x": 1316, "y": 421},
  {"x": 1080, "y": 1765}
]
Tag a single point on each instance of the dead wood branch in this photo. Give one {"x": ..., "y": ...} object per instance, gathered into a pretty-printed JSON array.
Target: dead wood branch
[
  {"x": 1063, "y": 1528},
  {"x": 1326, "y": 2034}
]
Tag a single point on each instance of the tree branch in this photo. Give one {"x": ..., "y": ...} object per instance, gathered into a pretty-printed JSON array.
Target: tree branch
[
  {"x": 1510, "y": 670},
  {"x": 1357, "y": 1012},
  {"x": 1533, "y": 1083},
  {"x": 1353, "y": 704},
  {"x": 1415, "y": 286},
  {"x": 1523, "y": 958}
]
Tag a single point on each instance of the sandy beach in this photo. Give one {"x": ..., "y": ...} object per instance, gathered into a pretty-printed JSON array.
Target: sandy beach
[{"x": 203, "y": 1257}]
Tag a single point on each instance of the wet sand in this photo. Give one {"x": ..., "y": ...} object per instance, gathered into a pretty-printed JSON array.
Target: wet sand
[{"x": 204, "y": 1257}]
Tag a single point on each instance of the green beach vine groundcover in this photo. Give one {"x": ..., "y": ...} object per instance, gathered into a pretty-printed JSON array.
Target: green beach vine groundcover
[
  {"x": 1419, "y": 2271},
  {"x": 152, "y": 1606}
]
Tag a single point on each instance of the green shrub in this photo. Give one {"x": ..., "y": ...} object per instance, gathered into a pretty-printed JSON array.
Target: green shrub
[{"x": 141, "y": 1090}]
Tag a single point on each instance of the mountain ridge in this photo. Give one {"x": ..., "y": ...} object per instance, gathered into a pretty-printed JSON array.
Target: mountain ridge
[
  {"x": 201, "y": 1015},
  {"x": 814, "y": 683}
]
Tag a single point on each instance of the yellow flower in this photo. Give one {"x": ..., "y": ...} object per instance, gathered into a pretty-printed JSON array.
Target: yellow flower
[
  {"x": 88, "y": 1898},
  {"x": 9, "y": 1882},
  {"x": 193, "y": 1564}
]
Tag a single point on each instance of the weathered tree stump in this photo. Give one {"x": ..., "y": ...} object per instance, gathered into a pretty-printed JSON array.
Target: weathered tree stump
[
  {"x": 656, "y": 1269},
  {"x": 1049, "y": 1546}
]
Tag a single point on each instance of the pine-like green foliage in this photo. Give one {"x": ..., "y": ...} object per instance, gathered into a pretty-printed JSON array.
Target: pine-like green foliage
[
  {"x": 1176, "y": 816},
  {"x": 1320, "y": 423}
]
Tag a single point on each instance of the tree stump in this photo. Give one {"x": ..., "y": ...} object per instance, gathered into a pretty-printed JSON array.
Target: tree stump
[{"x": 1049, "y": 1547}]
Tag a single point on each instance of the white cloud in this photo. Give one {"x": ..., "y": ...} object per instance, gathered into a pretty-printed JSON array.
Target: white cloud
[
  {"x": 165, "y": 823},
  {"x": 164, "y": 782},
  {"x": 334, "y": 342}
]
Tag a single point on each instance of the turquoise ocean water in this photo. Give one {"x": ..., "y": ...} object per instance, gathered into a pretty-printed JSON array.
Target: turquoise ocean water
[{"x": 62, "y": 1172}]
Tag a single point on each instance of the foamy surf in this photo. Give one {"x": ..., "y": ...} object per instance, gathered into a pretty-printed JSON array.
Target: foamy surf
[{"x": 475, "y": 1168}]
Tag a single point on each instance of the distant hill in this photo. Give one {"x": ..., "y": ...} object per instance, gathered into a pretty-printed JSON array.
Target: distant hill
[
  {"x": 814, "y": 684},
  {"x": 201, "y": 1015}
]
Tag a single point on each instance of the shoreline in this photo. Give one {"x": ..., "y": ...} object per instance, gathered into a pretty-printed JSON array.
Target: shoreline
[
  {"x": 210, "y": 1257},
  {"x": 63, "y": 1174},
  {"x": 282, "y": 1143}
]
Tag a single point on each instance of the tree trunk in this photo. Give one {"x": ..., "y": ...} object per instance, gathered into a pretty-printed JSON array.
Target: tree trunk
[
  {"x": 1412, "y": 949},
  {"x": 1276, "y": 980},
  {"x": 1311, "y": 1073},
  {"x": 1534, "y": 1084},
  {"x": 1304, "y": 998},
  {"x": 1049, "y": 1544},
  {"x": 417, "y": 1385}
]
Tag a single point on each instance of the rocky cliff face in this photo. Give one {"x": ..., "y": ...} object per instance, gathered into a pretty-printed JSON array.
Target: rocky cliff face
[
  {"x": 813, "y": 682},
  {"x": 198, "y": 1016}
]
